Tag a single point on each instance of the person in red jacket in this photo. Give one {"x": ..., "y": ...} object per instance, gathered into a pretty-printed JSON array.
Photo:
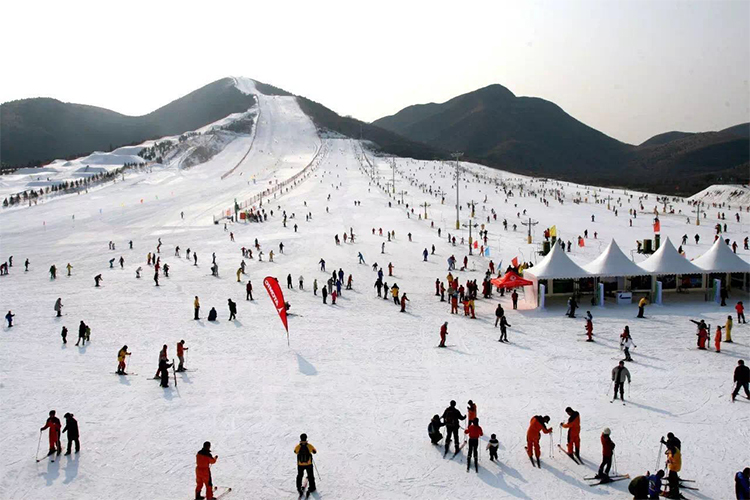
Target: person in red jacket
[
  {"x": 53, "y": 424},
  {"x": 404, "y": 300},
  {"x": 574, "y": 431},
  {"x": 608, "y": 449},
  {"x": 443, "y": 333},
  {"x": 740, "y": 312},
  {"x": 203, "y": 462},
  {"x": 717, "y": 338},
  {"x": 536, "y": 426},
  {"x": 474, "y": 432}
]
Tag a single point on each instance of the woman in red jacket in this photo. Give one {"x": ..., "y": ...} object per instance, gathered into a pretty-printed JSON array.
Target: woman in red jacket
[{"x": 474, "y": 432}]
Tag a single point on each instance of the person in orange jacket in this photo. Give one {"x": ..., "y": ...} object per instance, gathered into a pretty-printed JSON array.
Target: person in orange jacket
[
  {"x": 203, "y": 462},
  {"x": 589, "y": 326},
  {"x": 536, "y": 426},
  {"x": 574, "y": 431},
  {"x": 474, "y": 432},
  {"x": 53, "y": 424},
  {"x": 717, "y": 338},
  {"x": 471, "y": 410},
  {"x": 404, "y": 300}
]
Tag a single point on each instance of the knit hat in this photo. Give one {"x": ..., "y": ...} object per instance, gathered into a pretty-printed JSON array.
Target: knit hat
[{"x": 606, "y": 431}]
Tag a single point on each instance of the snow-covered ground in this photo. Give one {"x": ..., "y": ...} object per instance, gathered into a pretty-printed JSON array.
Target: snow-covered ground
[{"x": 361, "y": 379}]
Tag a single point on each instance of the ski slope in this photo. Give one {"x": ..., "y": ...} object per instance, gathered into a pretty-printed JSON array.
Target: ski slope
[{"x": 360, "y": 378}]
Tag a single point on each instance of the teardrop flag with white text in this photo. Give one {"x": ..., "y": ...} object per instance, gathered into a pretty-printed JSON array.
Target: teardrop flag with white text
[{"x": 277, "y": 297}]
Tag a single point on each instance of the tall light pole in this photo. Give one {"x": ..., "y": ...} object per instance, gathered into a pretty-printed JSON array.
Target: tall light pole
[
  {"x": 456, "y": 156},
  {"x": 393, "y": 164},
  {"x": 530, "y": 224}
]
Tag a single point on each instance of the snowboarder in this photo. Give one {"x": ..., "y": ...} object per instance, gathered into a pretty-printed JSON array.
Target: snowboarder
[
  {"x": 53, "y": 424},
  {"x": 181, "y": 355},
  {"x": 71, "y": 427},
  {"x": 574, "y": 431},
  {"x": 608, "y": 449},
  {"x": 443, "y": 333},
  {"x": 121, "y": 354},
  {"x": 504, "y": 325},
  {"x": 305, "y": 452},
  {"x": 451, "y": 416},
  {"x": 203, "y": 462},
  {"x": 741, "y": 379},
  {"x": 537, "y": 425},
  {"x": 433, "y": 429},
  {"x": 474, "y": 431},
  {"x": 619, "y": 375},
  {"x": 232, "y": 309},
  {"x": 196, "y": 307},
  {"x": 212, "y": 314},
  {"x": 58, "y": 306},
  {"x": 492, "y": 445}
]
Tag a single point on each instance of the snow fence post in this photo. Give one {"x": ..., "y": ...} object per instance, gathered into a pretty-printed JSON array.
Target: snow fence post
[{"x": 717, "y": 291}]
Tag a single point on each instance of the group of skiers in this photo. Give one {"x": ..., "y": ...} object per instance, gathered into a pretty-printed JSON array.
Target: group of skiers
[{"x": 54, "y": 430}]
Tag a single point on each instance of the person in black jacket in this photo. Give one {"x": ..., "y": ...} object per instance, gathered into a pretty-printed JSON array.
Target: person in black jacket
[
  {"x": 164, "y": 366},
  {"x": 672, "y": 441},
  {"x": 212, "y": 314},
  {"x": 741, "y": 378},
  {"x": 433, "y": 429},
  {"x": 451, "y": 417},
  {"x": 71, "y": 427},
  {"x": 232, "y": 309}
]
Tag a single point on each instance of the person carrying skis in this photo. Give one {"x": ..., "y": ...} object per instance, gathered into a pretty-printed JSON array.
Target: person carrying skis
[
  {"x": 181, "y": 355},
  {"x": 451, "y": 417},
  {"x": 71, "y": 427},
  {"x": 674, "y": 464},
  {"x": 305, "y": 452},
  {"x": 608, "y": 449},
  {"x": 433, "y": 429},
  {"x": 537, "y": 425},
  {"x": 742, "y": 484},
  {"x": 741, "y": 379},
  {"x": 619, "y": 375},
  {"x": 121, "y": 360},
  {"x": 492, "y": 445},
  {"x": 53, "y": 424},
  {"x": 474, "y": 431},
  {"x": 232, "y": 309},
  {"x": 203, "y": 462},
  {"x": 58, "y": 306},
  {"x": 443, "y": 333},
  {"x": 504, "y": 325},
  {"x": 574, "y": 431}
]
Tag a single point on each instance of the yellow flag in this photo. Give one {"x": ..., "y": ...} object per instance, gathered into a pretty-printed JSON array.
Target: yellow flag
[{"x": 553, "y": 231}]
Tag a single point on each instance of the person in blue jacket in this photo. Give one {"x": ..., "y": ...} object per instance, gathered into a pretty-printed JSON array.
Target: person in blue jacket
[
  {"x": 654, "y": 484},
  {"x": 742, "y": 484}
]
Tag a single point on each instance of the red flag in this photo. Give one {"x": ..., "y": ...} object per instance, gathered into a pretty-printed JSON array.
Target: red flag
[
  {"x": 514, "y": 262},
  {"x": 657, "y": 226},
  {"x": 277, "y": 297}
]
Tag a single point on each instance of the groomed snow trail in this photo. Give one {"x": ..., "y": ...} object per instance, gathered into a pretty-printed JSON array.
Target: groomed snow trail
[{"x": 360, "y": 378}]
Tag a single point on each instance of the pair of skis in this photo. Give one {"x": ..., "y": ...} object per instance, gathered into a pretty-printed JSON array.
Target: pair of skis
[
  {"x": 576, "y": 459},
  {"x": 607, "y": 479},
  {"x": 460, "y": 447}
]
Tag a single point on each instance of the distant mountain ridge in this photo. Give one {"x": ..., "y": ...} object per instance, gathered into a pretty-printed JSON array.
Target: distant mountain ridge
[{"x": 533, "y": 136}]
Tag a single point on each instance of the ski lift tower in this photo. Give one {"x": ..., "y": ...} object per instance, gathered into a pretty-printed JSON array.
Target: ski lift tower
[{"x": 457, "y": 155}]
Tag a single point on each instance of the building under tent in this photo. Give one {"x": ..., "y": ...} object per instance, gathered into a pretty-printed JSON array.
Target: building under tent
[
  {"x": 721, "y": 263},
  {"x": 673, "y": 270},
  {"x": 619, "y": 275},
  {"x": 557, "y": 275}
]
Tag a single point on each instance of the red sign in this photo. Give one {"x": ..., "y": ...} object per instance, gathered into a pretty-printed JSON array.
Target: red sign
[{"x": 277, "y": 297}]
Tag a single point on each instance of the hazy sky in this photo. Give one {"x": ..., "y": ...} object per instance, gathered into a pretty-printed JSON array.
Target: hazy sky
[{"x": 631, "y": 69}]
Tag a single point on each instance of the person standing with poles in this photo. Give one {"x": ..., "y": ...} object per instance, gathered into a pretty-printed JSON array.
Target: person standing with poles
[
  {"x": 475, "y": 432},
  {"x": 608, "y": 451},
  {"x": 58, "y": 307},
  {"x": 451, "y": 416},
  {"x": 53, "y": 424},
  {"x": 121, "y": 360},
  {"x": 305, "y": 452},
  {"x": 71, "y": 427},
  {"x": 537, "y": 425},
  {"x": 619, "y": 375},
  {"x": 181, "y": 355},
  {"x": 203, "y": 462},
  {"x": 443, "y": 334}
]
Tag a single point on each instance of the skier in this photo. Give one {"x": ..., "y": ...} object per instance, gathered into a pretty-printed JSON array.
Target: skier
[
  {"x": 574, "y": 432},
  {"x": 322, "y": 265},
  {"x": 674, "y": 464},
  {"x": 471, "y": 411},
  {"x": 249, "y": 291},
  {"x": 641, "y": 306},
  {"x": 82, "y": 333},
  {"x": 98, "y": 279},
  {"x": 196, "y": 307},
  {"x": 514, "y": 298},
  {"x": 394, "y": 293},
  {"x": 203, "y": 462},
  {"x": 162, "y": 357},
  {"x": 589, "y": 326},
  {"x": 53, "y": 272},
  {"x": 492, "y": 445},
  {"x": 702, "y": 333},
  {"x": 9, "y": 318},
  {"x": 672, "y": 441},
  {"x": 717, "y": 338},
  {"x": 619, "y": 374},
  {"x": 499, "y": 313},
  {"x": 232, "y": 309},
  {"x": 58, "y": 306},
  {"x": 325, "y": 294},
  {"x": 451, "y": 416},
  {"x": 361, "y": 258},
  {"x": 26, "y": 265},
  {"x": 156, "y": 277},
  {"x": 537, "y": 425},
  {"x": 53, "y": 424},
  {"x": 474, "y": 432},
  {"x": 433, "y": 429},
  {"x": 138, "y": 272},
  {"x": 742, "y": 484},
  {"x": 181, "y": 355},
  {"x": 425, "y": 253},
  {"x": 315, "y": 286},
  {"x": 504, "y": 325},
  {"x": 302, "y": 283},
  {"x": 289, "y": 285},
  {"x": 71, "y": 427},
  {"x": 626, "y": 345},
  {"x": 608, "y": 449},
  {"x": 404, "y": 300},
  {"x": 741, "y": 379},
  {"x": 121, "y": 360},
  {"x": 443, "y": 333},
  {"x": 64, "y": 335},
  {"x": 305, "y": 452},
  {"x": 740, "y": 312},
  {"x": 164, "y": 366},
  {"x": 212, "y": 315}
]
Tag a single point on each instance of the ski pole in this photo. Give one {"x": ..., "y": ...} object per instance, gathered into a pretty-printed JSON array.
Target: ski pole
[
  {"x": 316, "y": 467},
  {"x": 559, "y": 439},
  {"x": 610, "y": 387},
  {"x": 658, "y": 456},
  {"x": 38, "y": 445},
  {"x": 614, "y": 459}
]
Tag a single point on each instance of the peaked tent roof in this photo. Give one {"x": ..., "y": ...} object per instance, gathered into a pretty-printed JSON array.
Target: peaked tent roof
[
  {"x": 510, "y": 280},
  {"x": 666, "y": 260},
  {"x": 612, "y": 262},
  {"x": 720, "y": 259},
  {"x": 557, "y": 265}
]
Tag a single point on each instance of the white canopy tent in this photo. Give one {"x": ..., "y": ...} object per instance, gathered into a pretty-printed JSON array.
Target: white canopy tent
[
  {"x": 666, "y": 260},
  {"x": 720, "y": 259},
  {"x": 613, "y": 263},
  {"x": 556, "y": 265}
]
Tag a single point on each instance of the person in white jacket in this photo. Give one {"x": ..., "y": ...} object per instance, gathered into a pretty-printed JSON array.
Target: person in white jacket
[{"x": 626, "y": 345}]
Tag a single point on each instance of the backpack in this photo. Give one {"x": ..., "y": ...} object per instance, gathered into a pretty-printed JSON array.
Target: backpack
[{"x": 303, "y": 456}]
